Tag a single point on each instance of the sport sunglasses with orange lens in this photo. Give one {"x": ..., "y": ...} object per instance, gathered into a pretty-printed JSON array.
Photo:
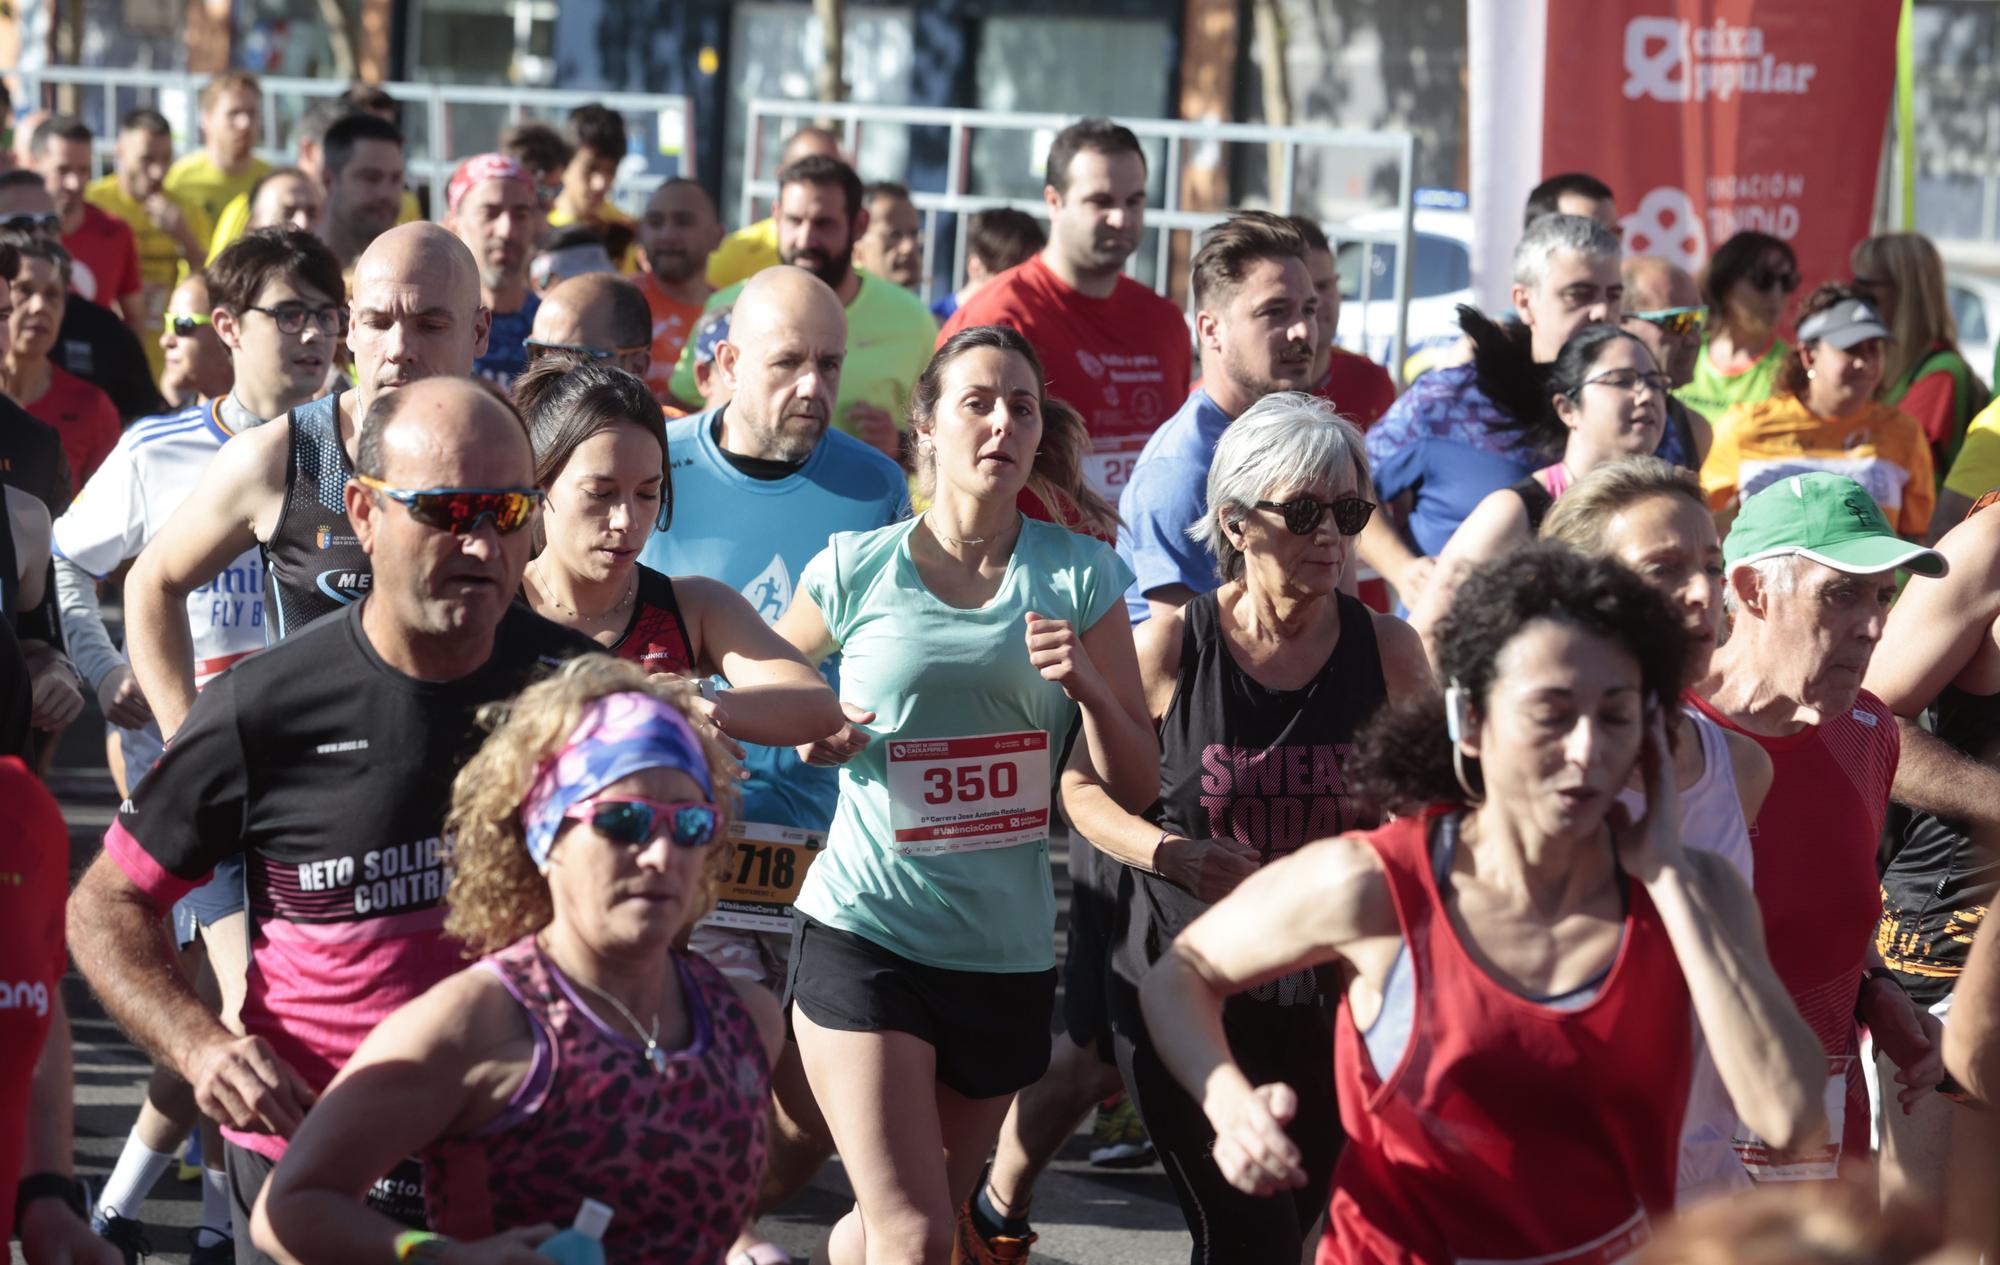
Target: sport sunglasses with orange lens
[
  {"x": 460, "y": 510},
  {"x": 1674, "y": 320}
]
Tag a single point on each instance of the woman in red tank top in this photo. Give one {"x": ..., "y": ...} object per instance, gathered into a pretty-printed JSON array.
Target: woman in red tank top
[
  {"x": 601, "y": 458},
  {"x": 1513, "y": 1054}
]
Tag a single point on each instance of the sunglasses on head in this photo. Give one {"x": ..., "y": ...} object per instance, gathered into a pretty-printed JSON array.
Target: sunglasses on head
[
  {"x": 1673, "y": 320},
  {"x": 33, "y": 222},
  {"x": 461, "y": 510},
  {"x": 184, "y": 324},
  {"x": 1303, "y": 514},
  {"x": 1764, "y": 278},
  {"x": 635, "y": 822}
]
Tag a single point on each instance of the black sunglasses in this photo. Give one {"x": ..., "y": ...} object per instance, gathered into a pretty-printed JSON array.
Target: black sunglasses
[
  {"x": 1766, "y": 278},
  {"x": 185, "y": 324},
  {"x": 1303, "y": 514},
  {"x": 33, "y": 222}
]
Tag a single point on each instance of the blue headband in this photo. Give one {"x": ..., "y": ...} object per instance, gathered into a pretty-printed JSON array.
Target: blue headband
[{"x": 619, "y": 735}]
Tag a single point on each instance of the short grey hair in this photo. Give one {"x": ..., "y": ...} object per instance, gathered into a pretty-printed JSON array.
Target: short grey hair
[
  {"x": 1550, "y": 236},
  {"x": 1286, "y": 440},
  {"x": 1778, "y": 574}
]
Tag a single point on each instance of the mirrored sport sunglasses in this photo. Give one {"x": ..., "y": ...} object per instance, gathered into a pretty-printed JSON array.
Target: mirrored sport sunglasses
[
  {"x": 1303, "y": 514},
  {"x": 1674, "y": 320},
  {"x": 536, "y": 349},
  {"x": 47, "y": 223},
  {"x": 460, "y": 510},
  {"x": 635, "y": 822},
  {"x": 184, "y": 324}
]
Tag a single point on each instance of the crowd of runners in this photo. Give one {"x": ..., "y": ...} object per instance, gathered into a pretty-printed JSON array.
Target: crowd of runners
[{"x": 596, "y": 698}]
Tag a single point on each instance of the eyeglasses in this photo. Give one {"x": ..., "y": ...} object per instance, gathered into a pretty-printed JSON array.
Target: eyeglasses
[
  {"x": 1766, "y": 278},
  {"x": 1630, "y": 380},
  {"x": 185, "y": 324},
  {"x": 1676, "y": 321},
  {"x": 47, "y": 223},
  {"x": 537, "y": 349},
  {"x": 291, "y": 318},
  {"x": 634, "y": 823},
  {"x": 461, "y": 510},
  {"x": 1303, "y": 514}
]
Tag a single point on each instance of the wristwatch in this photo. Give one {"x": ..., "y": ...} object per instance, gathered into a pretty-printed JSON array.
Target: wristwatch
[{"x": 47, "y": 1185}]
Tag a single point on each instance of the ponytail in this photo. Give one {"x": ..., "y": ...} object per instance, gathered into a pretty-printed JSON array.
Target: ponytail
[{"x": 1058, "y": 477}]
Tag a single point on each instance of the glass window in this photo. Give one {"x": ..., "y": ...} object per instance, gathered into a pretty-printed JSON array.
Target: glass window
[
  {"x": 1969, "y": 313},
  {"x": 1443, "y": 267}
]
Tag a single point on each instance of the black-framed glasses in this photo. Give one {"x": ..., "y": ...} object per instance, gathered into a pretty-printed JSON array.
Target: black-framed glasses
[
  {"x": 1303, "y": 514},
  {"x": 1675, "y": 321},
  {"x": 634, "y": 822},
  {"x": 537, "y": 348},
  {"x": 291, "y": 318},
  {"x": 461, "y": 510},
  {"x": 1779, "y": 278},
  {"x": 1630, "y": 380},
  {"x": 45, "y": 223},
  {"x": 184, "y": 324}
]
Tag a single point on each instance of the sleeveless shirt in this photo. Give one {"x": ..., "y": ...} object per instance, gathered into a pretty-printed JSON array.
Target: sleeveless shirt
[
  {"x": 678, "y": 1154},
  {"x": 1261, "y": 767},
  {"x": 313, "y": 564},
  {"x": 656, "y": 636},
  {"x": 1509, "y": 1130}
]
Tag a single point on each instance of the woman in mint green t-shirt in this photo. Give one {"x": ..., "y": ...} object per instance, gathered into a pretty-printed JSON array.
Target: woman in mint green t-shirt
[{"x": 974, "y": 642}]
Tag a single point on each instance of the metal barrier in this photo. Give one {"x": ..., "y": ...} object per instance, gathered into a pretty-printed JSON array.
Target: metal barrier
[
  {"x": 1177, "y": 136},
  {"x": 670, "y": 119}
]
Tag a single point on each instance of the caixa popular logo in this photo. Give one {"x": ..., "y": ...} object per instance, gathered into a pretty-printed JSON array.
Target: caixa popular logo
[
  {"x": 25, "y": 995},
  {"x": 1666, "y": 223},
  {"x": 1671, "y": 60}
]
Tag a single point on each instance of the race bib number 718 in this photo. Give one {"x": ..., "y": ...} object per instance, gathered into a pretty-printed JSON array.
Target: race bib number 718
[{"x": 968, "y": 794}]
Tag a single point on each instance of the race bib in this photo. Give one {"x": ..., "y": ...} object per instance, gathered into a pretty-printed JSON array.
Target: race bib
[
  {"x": 767, "y": 866},
  {"x": 1611, "y": 1248},
  {"x": 1108, "y": 468},
  {"x": 1765, "y": 1165},
  {"x": 968, "y": 794}
]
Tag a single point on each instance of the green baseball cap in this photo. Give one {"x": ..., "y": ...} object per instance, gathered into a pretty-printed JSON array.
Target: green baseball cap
[{"x": 1828, "y": 518}]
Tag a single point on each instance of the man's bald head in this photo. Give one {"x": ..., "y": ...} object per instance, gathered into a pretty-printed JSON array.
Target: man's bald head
[
  {"x": 416, "y": 310},
  {"x": 601, "y": 311},
  {"x": 1652, "y": 283},
  {"x": 781, "y": 298},
  {"x": 781, "y": 363},
  {"x": 440, "y": 418},
  {"x": 810, "y": 140},
  {"x": 1654, "y": 289}
]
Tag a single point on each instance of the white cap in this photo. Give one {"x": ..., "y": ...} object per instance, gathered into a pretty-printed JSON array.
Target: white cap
[{"x": 592, "y": 1220}]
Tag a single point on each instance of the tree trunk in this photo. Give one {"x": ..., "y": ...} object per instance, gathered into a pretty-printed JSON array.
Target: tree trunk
[
  {"x": 828, "y": 82},
  {"x": 340, "y": 34},
  {"x": 1277, "y": 85}
]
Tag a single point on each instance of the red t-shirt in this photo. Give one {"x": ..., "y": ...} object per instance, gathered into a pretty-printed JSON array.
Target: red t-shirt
[
  {"x": 34, "y": 883},
  {"x": 105, "y": 258},
  {"x": 1124, "y": 362},
  {"x": 84, "y": 416},
  {"x": 1361, "y": 389},
  {"x": 1813, "y": 860}
]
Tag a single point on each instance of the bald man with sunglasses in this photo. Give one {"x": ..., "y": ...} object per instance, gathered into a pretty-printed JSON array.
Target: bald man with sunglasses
[
  {"x": 1663, "y": 309},
  {"x": 415, "y": 314},
  {"x": 326, "y": 763}
]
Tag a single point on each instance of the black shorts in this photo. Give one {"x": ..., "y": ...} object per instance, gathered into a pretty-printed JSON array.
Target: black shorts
[
  {"x": 1093, "y": 918},
  {"x": 990, "y": 1029}
]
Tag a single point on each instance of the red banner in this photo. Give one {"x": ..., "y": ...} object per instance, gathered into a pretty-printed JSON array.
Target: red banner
[{"x": 1708, "y": 117}]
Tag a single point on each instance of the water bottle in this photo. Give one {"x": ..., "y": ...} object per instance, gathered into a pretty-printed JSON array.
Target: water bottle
[{"x": 583, "y": 1242}]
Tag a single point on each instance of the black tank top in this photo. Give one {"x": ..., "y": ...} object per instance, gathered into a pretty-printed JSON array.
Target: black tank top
[
  {"x": 1261, "y": 767},
  {"x": 1535, "y": 499},
  {"x": 656, "y": 637},
  {"x": 313, "y": 564},
  {"x": 10, "y": 568}
]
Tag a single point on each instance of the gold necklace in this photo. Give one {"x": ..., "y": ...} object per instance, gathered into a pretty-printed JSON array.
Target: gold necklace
[{"x": 549, "y": 595}]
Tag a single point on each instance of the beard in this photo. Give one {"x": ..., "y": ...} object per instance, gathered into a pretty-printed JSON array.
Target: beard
[
  {"x": 832, "y": 269},
  {"x": 674, "y": 267},
  {"x": 792, "y": 437}
]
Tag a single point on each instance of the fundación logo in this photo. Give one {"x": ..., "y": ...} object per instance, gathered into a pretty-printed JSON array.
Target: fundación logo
[{"x": 1671, "y": 60}]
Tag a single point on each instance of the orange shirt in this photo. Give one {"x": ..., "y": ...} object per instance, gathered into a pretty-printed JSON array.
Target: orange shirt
[{"x": 673, "y": 324}]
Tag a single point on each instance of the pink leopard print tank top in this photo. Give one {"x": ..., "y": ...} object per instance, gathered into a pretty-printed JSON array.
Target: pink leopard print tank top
[{"x": 677, "y": 1154}]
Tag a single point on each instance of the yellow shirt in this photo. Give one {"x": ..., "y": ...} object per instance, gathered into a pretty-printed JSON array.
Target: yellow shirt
[
  {"x": 161, "y": 266},
  {"x": 195, "y": 181},
  {"x": 236, "y": 220},
  {"x": 606, "y": 214},
  {"x": 1976, "y": 470},
  {"x": 1878, "y": 446},
  {"x": 743, "y": 254}
]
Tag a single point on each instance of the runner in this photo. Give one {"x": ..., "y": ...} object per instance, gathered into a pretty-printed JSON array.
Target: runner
[
  {"x": 754, "y": 247},
  {"x": 677, "y": 235},
  {"x": 597, "y": 142},
  {"x": 1115, "y": 351},
  {"x": 600, "y": 315},
  {"x": 890, "y": 331},
  {"x": 102, "y": 248},
  {"x": 83, "y": 415},
  {"x": 1513, "y": 1056},
  {"x": 1361, "y": 389},
  {"x": 363, "y": 177},
  {"x": 1609, "y": 402},
  {"x": 996, "y": 239},
  {"x": 601, "y": 463},
  {"x": 226, "y": 165},
  {"x": 171, "y": 239},
  {"x": 1942, "y": 876},
  {"x": 759, "y": 483},
  {"x": 416, "y": 313},
  {"x": 493, "y": 208},
  {"x": 893, "y": 246},
  {"x": 923, "y": 981},
  {"x": 1275, "y": 670},
  {"x": 1747, "y": 286},
  {"x": 325, "y": 763},
  {"x": 196, "y": 362},
  {"x": 583, "y": 1055},
  {"x": 1650, "y": 516},
  {"x": 1812, "y": 569}
]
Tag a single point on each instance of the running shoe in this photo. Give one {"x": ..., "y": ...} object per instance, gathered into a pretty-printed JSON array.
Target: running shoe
[
  {"x": 219, "y": 1250},
  {"x": 128, "y": 1236},
  {"x": 1120, "y": 1138},
  {"x": 975, "y": 1248}
]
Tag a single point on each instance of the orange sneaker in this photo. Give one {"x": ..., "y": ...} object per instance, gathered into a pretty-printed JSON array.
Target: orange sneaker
[{"x": 974, "y": 1248}]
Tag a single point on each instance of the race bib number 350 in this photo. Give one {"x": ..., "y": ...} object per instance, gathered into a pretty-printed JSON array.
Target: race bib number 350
[{"x": 968, "y": 794}]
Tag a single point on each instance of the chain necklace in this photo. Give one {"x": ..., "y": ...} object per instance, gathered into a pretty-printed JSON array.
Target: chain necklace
[
  {"x": 549, "y": 595},
  {"x": 953, "y": 540},
  {"x": 654, "y": 1054}
]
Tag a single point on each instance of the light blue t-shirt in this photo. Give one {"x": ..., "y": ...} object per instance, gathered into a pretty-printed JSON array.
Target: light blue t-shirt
[
  {"x": 1166, "y": 495},
  {"x": 908, "y": 871},
  {"x": 756, "y": 536}
]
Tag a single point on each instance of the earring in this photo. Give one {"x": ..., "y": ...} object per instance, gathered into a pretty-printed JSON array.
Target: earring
[
  {"x": 1811, "y": 374},
  {"x": 1473, "y": 798}
]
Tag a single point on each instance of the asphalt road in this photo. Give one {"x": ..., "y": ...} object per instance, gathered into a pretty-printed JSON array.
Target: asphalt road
[{"x": 1085, "y": 1216}]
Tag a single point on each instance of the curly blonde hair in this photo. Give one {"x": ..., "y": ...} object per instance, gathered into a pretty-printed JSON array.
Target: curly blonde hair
[{"x": 497, "y": 895}]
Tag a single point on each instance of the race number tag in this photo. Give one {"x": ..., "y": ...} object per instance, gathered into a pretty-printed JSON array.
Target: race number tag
[
  {"x": 766, "y": 866},
  {"x": 1108, "y": 467},
  {"x": 1821, "y": 1163},
  {"x": 968, "y": 794}
]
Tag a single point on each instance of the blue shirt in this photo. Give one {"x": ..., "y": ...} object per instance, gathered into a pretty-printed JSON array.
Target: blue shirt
[
  {"x": 506, "y": 355},
  {"x": 756, "y": 536},
  {"x": 1442, "y": 440},
  {"x": 1166, "y": 495},
  {"x": 944, "y": 307}
]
